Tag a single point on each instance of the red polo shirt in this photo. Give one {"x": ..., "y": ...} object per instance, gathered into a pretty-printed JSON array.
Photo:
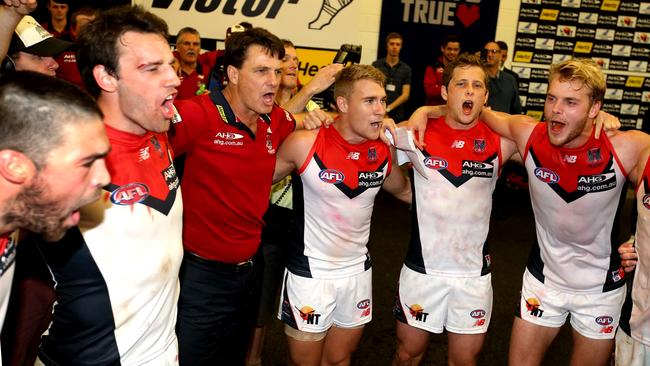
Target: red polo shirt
[{"x": 227, "y": 179}]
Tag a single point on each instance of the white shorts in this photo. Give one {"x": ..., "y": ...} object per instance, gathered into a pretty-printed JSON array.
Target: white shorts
[
  {"x": 314, "y": 305},
  {"x": 630, "y": 352},
  {"x": 430, "y": 302},
  {"x": 594, "y": 315}
]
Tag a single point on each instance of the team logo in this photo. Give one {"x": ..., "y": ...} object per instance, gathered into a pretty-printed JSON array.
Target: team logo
[
  {"x": 309, "y": 315},
  {"x": 479, "y": 145},
  {"x": 547, "y": 176},
  {"x": 269, "y": 142},
  {"x": 618, "y": 275},
  {"x": 594, "y": 156},
  {"x": 646, "y": 201},
  {"x": 372, "y": 154},
  {"x": 532, "y": 306},
  {"x": 604, "y": 320},
  {"x": 228, "y": 135},
  {"x": 130, "y": 194},
  {"x": 417, "y": 312},
  {"x": 370, "y": 179},
  {"x": 169, "y": 174},
  {"x": 156, "y": 145},
  {"x": 353, "y": 155},
  {"x": 331, "y": 176},
  {"x": 435, "y": 163},
  {"x": 477, "y": 314},
  {"x": 365, "y": 306}
]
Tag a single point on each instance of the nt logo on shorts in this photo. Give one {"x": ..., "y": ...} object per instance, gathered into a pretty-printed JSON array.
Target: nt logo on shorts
[
  {"x": 417, "y": 312},
  {"x": 309, "y": 315},
  {"x": 532, "y": 305}
]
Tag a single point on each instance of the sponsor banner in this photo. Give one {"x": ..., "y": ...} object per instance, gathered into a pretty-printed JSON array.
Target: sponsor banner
[{"x": 613, "y": 33}]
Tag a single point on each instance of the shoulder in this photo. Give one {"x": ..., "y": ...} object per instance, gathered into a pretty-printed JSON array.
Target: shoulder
[{"x": 195, "y": 107}]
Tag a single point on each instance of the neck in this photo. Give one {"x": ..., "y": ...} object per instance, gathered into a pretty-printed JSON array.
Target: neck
[
  {"x": 58, "y": 25},
  {"x": 188, "y": 68},
  {"x": 345, "y": 130},
  {"x": 283, "y": 96},
  {"x": 392, "y": 60},
  {"x": 493, "y": 70},
  {"x": 455, "y": 125},
  {"x": 114, "y": 117},
  {"x": 245, "y": 115}
]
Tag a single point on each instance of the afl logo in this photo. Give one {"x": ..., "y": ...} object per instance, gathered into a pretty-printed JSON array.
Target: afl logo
[
  {"x": 547, "y": 175},
  {"x": 435, "y": 163},
  {"x": 604, "y": 320},
  {"x": 363, "y": 304},
  {"x": 331, "y": 176},
  {"x": 130, "y": 194},
  {"x": 646, "y": 201},
  {"x": 477, "y": 314}
]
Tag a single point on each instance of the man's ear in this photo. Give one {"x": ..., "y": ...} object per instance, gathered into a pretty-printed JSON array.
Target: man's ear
[
  {"x": 342, "y": 104},
  {"x": 233, "y": 74},
  {"x": 595, "y": 108},
  {"x": 443, "y": 92},
  {"x": 16, "y": 167},
  {"x": 105, "y": 79}
]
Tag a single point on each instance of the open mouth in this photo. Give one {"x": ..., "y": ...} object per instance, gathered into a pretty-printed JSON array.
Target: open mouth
[
  {"x": 375, "y": 124},
  {"x": 168, "y": 106},
  {"x": 268, "y": 98},
  {"x": 556, "y": 126},
  {"x": 468, "y": 105}
]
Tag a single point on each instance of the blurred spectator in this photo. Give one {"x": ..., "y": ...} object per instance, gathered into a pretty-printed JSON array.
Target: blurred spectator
[
  {"x": 504, "y": 96},
  {"x": 67, "y": 60},
  {"x": 194, "y": 67},
  {"x": 450, "y": 49},
  {"x": 504, "y": 57},
  {"x": 398, "y": 77},
  {"x": 58, "y": 23}
]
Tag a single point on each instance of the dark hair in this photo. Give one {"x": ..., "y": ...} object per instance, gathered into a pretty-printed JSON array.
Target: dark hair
[
  {"x": 99, "y": 42},
  {"x": 450, "y": 38},
  {"x": 464, "y": 60},
  {"x": 502, "y": 45},
  {"x": 188, "y": 30},
  {"x": 34, "y": 108},
  {"x": 393, "y": 35},
  {"x": 238, "y": 43},
  {"x": 288, "y": 43}
]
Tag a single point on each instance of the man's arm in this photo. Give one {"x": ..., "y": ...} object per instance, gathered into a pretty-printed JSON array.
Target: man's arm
[
  {"x": 516, "y": 127},
  {"x": 10, "y": 14},
  {"x": 293, "y": 152},
  {"x": 323, "y": 79},
  {"x": 397, "y": 183},
  {"x": 406, "y": 92}
]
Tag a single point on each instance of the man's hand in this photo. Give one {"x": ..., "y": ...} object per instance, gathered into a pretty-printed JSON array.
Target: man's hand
[
  {"x": 315, "y": 119},
  {"x": 419, "y": 118},
  {"x": 605, "y": 121},
  {"x": 324, "y": 78},
  {"x": 628, "y": 255},
  {"x": 22, "y": 7},
  {"x": 388, "y": 125}
]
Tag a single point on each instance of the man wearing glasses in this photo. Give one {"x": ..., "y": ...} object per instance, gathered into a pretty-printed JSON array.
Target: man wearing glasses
[{"x": 503, "y": 95}]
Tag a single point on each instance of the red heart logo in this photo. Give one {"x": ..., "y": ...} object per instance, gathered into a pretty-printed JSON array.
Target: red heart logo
[{"x": 468, "y": 15}]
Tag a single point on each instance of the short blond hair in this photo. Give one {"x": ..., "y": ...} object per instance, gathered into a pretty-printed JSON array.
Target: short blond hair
[
  {"x": 583, "y": 70},
  {"x": 353, "y": 73}
]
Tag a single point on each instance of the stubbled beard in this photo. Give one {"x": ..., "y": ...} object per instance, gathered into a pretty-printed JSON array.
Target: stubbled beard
[{"x": 33, "y": 210}]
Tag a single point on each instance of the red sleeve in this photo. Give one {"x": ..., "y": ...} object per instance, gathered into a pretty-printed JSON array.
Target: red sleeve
[
  {"x": 287, "y": 122},
  {"x": 207, "y": 60},
  {"x": 431, "y": 82},
  {"x": 194, "y": 116}
]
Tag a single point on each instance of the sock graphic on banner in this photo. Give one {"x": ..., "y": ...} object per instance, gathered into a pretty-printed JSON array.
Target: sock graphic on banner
[{"x": 329, "y": 9}]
